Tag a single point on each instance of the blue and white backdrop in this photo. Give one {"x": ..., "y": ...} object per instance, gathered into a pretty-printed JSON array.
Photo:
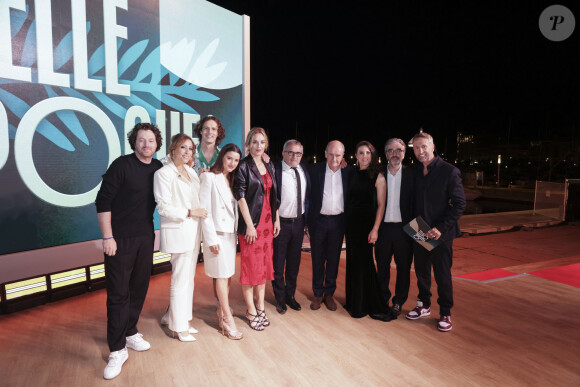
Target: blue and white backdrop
[{"x": 75, "y": 77}]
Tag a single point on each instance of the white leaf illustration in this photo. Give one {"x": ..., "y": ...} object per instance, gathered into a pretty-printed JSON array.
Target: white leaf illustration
[{"x": 202, "y": 74}]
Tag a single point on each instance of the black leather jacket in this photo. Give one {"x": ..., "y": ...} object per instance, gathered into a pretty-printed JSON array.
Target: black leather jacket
[{"x": 248, "y": 184}]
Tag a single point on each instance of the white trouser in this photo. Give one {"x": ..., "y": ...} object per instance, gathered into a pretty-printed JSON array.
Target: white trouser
[{"x": 181, "y": 291}]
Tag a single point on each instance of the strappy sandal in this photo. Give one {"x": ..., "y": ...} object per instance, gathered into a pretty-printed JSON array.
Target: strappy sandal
[
  {"x": 262, "y": 314},
  {"x": 255, "y": 321}
]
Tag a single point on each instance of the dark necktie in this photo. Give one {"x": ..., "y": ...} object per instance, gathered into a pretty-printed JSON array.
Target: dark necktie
[{"x": 298, "y": 193}]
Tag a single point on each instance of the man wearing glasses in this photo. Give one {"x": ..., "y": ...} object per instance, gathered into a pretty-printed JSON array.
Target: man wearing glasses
[
  {"x": 294, "y": 183},
  {"x": 392, "y": 240}
]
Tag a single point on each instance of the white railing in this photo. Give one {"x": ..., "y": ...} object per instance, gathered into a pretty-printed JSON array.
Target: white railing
[{"x": 550, "y": 199}]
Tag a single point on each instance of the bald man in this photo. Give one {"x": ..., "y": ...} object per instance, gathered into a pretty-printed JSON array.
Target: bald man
[{"x": 326, "y": 222}]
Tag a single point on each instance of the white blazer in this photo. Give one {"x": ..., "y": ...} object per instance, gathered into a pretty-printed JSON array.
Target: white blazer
[
  {"x": 217, "y": 198},
  {"x": 175, "y": 195}
]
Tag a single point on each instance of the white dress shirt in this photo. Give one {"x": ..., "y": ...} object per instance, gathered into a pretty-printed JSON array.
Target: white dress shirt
[
  {"x": 393, "y": 211},
  {"x": 288, "y": 194},
  {"x": 332, "y": 197}
]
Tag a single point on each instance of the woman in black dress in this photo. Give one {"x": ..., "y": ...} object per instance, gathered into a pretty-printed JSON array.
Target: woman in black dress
[{"x": 364, "y": 212}]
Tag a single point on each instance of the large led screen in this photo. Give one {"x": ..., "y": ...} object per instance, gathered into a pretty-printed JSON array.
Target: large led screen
[{"x": 75, "y": 77}]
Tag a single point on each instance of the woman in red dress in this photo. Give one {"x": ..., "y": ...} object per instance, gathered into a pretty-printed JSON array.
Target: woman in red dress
[{"x": 255, "y": 189}]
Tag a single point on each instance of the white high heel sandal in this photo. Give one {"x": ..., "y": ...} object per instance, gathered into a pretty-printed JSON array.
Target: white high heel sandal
[
  {"x": 230, "y": 333},
  {"x": 183, "y": 338}
]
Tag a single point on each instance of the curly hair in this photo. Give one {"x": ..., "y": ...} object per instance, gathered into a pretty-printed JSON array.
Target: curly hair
[
  {"x": 176, "y": 142},
  {"x": 221, "y": 131},
  {"x": 132, "y": 135},
  {"x": 374, "y": 166}
]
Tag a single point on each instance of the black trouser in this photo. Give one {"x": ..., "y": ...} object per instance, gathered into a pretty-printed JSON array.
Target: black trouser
[
  {"x": 326, "y": 242},
  {"x": 287, "y": 254},
  {"x": 392, "y": 240},
  {"x": 127, "y": 278},
  {"x": 441, "y": 258}
]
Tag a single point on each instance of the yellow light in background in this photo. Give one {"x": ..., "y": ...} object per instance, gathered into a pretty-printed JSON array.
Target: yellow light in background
[
  {"x": 68, "y": 278},
  {"x": 160, "y": 257},
  {"x": 39, "y": 284},
  {"x": 97, "y": 271},
  {"x": 24, "y": 288}
]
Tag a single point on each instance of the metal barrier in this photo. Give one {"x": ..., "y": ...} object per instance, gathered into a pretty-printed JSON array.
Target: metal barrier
[
  {"x": 550, "y": 199},
  {"x": 572, "y": 206}
]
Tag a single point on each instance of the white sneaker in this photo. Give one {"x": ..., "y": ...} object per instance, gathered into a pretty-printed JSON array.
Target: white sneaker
[
  {"x": 418, "y": 312},
  {"x": 137, "y": 342},
  {"x": 444, "y": 324},
  {"x": 116, "y": 360}
]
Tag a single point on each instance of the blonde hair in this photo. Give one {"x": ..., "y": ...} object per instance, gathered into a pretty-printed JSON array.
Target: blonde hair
[
  {"x": 176, "y": 142},
  {"x": 255, "y": 130}
]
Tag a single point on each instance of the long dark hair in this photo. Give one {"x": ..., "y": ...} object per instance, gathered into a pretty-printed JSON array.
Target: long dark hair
[
  {"x": 218, "y": 167},
  {"x": 374, "y": 166}
]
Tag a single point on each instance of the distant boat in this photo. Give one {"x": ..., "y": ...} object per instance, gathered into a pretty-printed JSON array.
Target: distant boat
[{"x": 471, "y": 194}]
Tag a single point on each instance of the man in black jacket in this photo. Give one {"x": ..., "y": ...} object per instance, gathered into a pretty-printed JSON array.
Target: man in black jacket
[
  {"x": 392, "y": 240},
  {"x": 326, "y": 222},
  {"x": 293, "y": 190},
  {"x": 440, "y": 200}
]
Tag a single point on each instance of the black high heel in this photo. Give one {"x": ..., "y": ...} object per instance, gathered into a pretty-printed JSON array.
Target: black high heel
[
  {"x": 255, "y": 321},
  {"x": 262, "y": 314}
]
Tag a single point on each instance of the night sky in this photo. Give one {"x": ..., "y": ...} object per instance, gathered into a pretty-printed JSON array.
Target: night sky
[{"x": 379, "y": 69}]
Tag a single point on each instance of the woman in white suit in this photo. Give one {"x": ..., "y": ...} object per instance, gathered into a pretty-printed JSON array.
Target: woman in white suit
[
  {"x": 176, "y": 188},
  {"x": 219, "y": 231}
]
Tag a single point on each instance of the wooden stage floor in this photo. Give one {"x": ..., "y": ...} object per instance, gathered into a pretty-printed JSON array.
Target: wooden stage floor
[{"x": 518, "y": 331}]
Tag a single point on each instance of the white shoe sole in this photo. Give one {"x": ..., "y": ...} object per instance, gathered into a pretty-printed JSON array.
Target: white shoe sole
[
  {"x": 146, "y": 348},
  {"x": 418, "y": 316},
  {"x": 109, "y": 377},
  {"x": 444, "y": 329}
]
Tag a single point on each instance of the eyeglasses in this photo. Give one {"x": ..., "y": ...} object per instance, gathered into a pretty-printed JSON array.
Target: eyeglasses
[
  {"x": 292, "y": 154},
  {"x": 397, "y": 151}
]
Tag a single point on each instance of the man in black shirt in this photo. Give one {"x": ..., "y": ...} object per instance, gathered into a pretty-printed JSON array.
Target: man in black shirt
[
  {"x": 125, "y": 206},
  {"x": 440, "y": 200}
]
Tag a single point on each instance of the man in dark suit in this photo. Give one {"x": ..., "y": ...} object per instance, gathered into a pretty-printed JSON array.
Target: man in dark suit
[
  {"x": 392, "y": 239},
  {"x": 326, "y": 222},
  {"x": 293, "y": 190},
  {"x": 440, "y": 200}
]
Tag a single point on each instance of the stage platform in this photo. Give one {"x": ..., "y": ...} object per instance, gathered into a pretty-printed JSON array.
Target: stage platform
[
  {"x": 519, "y": 329},
  {"x": 506, "y": 221}
]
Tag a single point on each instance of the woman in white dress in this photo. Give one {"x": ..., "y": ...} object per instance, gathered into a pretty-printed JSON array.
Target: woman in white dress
[
  {"x": 176, "y": 188},
  {"x": 219, "y": 231}
]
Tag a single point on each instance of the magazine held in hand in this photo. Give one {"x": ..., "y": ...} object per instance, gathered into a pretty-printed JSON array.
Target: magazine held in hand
[{"x": 417, "y": 229}]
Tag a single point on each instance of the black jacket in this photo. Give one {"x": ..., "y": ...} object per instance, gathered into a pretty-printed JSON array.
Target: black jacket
[
  {"x": 406, "y": 198},
  {"x": 278, "y": 168},
  {"x": 248, "y": 184},
  {"x": 439, "y": 197},
  {"x": 317, "y": 176}
]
